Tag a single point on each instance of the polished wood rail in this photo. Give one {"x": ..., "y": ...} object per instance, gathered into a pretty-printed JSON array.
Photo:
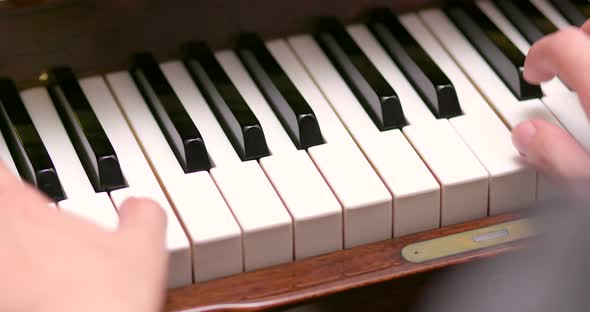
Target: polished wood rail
[{"x": 325, "y": 275}]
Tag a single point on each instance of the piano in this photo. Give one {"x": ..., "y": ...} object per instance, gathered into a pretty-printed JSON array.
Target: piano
[{"x": 299, "y": 148}]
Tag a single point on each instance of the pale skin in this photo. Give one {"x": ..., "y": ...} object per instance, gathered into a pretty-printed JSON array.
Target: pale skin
[
  {"x": 545, "y": 146},
  {"x": 51, "y": 260},
  {"x": 54, "y": 261}
]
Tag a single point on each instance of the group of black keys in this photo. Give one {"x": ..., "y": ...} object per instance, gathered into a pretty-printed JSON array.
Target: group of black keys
[{"x": 241, "y": 126}]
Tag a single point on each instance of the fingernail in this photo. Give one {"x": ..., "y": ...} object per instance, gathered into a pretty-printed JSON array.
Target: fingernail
[{"x": 522, "y": 136}]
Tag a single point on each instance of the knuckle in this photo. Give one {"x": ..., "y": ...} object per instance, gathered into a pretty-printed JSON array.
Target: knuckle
[{"x": 556, "y": 43}]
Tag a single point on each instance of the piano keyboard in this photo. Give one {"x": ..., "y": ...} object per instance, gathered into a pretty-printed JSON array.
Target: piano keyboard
[{"x": 286, "y": 149}]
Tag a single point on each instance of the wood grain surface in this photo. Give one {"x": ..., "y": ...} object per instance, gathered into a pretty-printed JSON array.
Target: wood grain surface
[{"x": 325, "y": 275}]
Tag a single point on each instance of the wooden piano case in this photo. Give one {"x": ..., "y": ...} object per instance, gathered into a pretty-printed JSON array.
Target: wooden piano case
[{"x": 98, "y": 36}]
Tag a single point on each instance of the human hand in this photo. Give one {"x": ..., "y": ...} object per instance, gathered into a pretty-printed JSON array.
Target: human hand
[
  {"x": 548, "y": 147},
  {"x": 54, "y": 261}
]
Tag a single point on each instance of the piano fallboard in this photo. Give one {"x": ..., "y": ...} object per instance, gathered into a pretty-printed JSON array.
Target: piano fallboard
[{"x": 95, "y": 36}]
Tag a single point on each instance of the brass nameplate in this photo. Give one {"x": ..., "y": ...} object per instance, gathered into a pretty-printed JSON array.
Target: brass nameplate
[{"x": 469, "y": 241}]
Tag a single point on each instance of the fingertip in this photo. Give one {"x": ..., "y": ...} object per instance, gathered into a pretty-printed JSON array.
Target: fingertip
[
  {"x": 142, "y": 215},
  {"x": 522, "y": 135},
  {"x": 551, "y": 150},
  {"x": 550, "y": 56}
]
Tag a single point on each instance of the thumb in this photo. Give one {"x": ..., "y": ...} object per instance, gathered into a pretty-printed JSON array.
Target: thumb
[
  {"x": 143, "y": 220},
  {"x": 553, "y": 151}
]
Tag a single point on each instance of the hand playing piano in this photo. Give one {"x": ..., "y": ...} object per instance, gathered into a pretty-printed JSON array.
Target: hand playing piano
[
  {"x": 548, "y": 147},
  {"x": 54, "y": 261}
]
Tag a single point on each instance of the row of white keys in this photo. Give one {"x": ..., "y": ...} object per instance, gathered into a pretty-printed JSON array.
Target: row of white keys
[
  {"x": 266, "y": 225},
  {"x": 506, "y": 105},
  {"x": 364, "y": 198},
  {"x": 138, "y": 174},
  {"x": 512, "y": 183},
  {"x": 464, "y": 181},
  {"x": 415, "y": 192},
  {"x": 563, "y": 103},
  {"x": 214, "y": 236},
  {"x": 82, "y": 199},
  {"x": 317, "y": 215}
]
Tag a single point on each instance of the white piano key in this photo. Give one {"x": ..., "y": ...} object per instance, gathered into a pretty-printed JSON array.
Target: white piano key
[
  {"x": 306, "y": 195},
  {"x": 214, "y": 235},
  {"x": 96, "y": 208},
  {"x": 449, "y": 156},
  {"x": 340, "y": 162},
  {"x": 317, "y": 215},
  {"x": 492, "y": 88},
  {"x": 550, "y": 87},
  {"x": 463, "y": 180},
  {"x": 364, "y": 198},
  {"x": 469, "y": 98},
  {"x": 6, "y": 158},
  {"x": 276, "y": 137},
  {"x": 71, "y": 174},
  {"x": 332, "y": 129},
  {"x": 416, "y": 193},
  {"x": 136, "y": 169},
  {"x": 494, "y": 14},
  {"x": 567, "y": 108},
  {"x": 564, "y": 104},
  {"x": 218, "y": 251},
  {"x": 289, "y": 183},
  {"x": 414, "y": 108},
  {"x": 218, "y": 145},
  {"x": 551, "y": 13},
  {"x": 398, "y": 165},
  {"x": 512, "y": 183},
  {"x": 266, "y": 224}
]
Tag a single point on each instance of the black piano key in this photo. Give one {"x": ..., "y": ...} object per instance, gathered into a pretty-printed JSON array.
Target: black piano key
[
  {"x": 238, "y": 121},
  {"x": 30, "y": 156},
  {"x": 502, "y": 55},
  {"x": 377, "y": 97},
  {"x": 529, "y": 21},
  {"x": 178, "y": 128},
  {"x": 575, "y": 11},
  {"x": 88, "y": 137},
  {"x": 428, "y": 79},
  {"x": 288, "y": 104}
]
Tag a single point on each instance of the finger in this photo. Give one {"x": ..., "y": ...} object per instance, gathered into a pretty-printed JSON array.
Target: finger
[
  {"x": 7, "y": 177},
  {"x": 552, "y": 151},
  {"x": 586, "y": 27},
  {"x": 562, "y": 54},
  {"x": 144, "y": 221},
  {"x": 16, "y": 196}
]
